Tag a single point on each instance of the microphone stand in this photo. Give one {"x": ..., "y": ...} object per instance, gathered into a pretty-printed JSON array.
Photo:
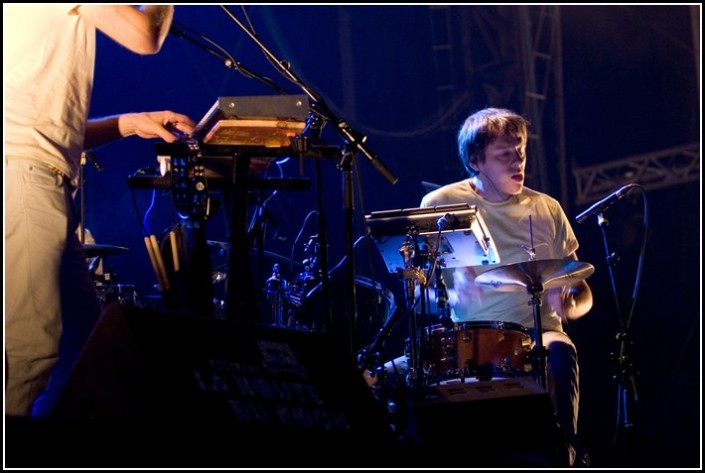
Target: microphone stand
[
  {"x": 354, "y": 142},
  {"x": 627, "y": 396},
  {"x": 227, "y": 59},
  {"x": 315, "y": 128}
]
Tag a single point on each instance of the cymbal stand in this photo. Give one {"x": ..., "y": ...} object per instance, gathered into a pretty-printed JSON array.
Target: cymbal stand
[
  {"x": 536, "y": 290},
  {"x": 411, "y": 273},
  {"x": 95, "y": 265}
]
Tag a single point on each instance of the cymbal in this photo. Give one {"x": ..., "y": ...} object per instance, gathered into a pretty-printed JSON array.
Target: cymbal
[
  {"x": 93, "y": 250},
  {"x": 549, "y": 273}
]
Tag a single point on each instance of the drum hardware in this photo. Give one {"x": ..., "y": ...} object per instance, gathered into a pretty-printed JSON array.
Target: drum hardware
[
  {"x": 411, "y": 240},
  {"x": 275, "y": 288},
  {"x": 535, "y": 277},
  {"x": 442, "y": 301},
  {"x": 303, "y": 297},
  {"x": 283, "y": 295},
  {"x": 464, "y": 240},
  {"x": 125, "y": 294},
  {"x": 104, "y": 280},
  {"x": 110, "y": 290},
  {"x": 101, "y": 275}
]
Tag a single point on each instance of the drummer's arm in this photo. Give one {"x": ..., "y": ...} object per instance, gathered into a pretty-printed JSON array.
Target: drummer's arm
[{"x": 571, "y": 302}]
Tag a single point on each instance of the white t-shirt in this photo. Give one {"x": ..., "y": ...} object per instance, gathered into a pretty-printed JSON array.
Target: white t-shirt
[
  {"x": 508, "y": 224},
  {"x": 49, "y": 60}
]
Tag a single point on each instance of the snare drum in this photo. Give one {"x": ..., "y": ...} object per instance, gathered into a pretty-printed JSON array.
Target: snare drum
[{"x": 481, "y": 350}]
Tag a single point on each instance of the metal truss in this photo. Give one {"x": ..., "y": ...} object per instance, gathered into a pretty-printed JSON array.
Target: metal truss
[{"x": 651, "y": 170}]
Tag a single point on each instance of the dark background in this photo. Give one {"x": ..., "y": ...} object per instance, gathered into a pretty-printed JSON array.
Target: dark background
[{"x": 630, "y": 86}]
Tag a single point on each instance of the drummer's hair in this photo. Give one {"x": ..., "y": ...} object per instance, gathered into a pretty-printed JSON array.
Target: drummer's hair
[{"x": 482, "y": 128}]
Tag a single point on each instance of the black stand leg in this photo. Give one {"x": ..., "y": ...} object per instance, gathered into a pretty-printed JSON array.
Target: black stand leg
[
  {"x": 241, "y": 299},
  {"x": 323, "y": 252},
  {"x": 540, "y": 351},
  {"x": 349, "y": 206},
  {"x": 198, "y": 279}
]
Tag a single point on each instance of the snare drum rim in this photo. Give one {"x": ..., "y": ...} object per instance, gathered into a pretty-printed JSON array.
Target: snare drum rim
[
  {"x": 492, "y": 324},
  {"x": 479, "y": 324}
]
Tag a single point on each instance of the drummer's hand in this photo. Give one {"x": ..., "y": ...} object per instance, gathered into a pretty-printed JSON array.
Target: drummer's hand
[
  {"x": 464, "y": 288},
  {"x": 562, "y": 300},
  {"x": 570, "y": 302}
]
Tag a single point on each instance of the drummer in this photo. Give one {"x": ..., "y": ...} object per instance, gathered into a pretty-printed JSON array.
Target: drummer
[{"x": 525, "y": 225}]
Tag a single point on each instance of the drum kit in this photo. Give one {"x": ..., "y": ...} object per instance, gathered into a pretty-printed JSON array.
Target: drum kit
[
  {"x": 438, "y": 353},
  {"x": 411, "y": 242},
  {"x": 474, "y": 351},
  {"x": 455, "y": 352}
]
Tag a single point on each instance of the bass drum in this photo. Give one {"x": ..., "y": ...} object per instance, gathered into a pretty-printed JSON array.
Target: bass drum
[{"x": 375, "y": 304}]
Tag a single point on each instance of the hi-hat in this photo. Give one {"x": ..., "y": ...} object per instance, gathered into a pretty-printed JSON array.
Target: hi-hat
[
  {"x": 93, "y": 250},
  {"x": 547, "y": 273}
]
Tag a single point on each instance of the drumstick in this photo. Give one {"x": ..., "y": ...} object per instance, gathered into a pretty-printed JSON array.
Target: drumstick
[
  {"x": 157, "y": 262},
  {"x": 153, "y": 259},
  {"x": 160, "y": 261},
  {"x": 174, "y": 250}
]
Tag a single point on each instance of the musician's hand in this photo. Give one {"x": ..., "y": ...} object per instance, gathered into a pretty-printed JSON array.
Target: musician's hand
[
  {"x": 166, "y": 125},
  {"x": 464, "y": 290},
  {"x": 570, "y": 302}
]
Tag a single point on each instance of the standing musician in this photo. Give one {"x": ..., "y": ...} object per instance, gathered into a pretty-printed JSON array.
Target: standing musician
[
  {"x": 49, "y": 53},
  {"x": 525, "y": 225}
]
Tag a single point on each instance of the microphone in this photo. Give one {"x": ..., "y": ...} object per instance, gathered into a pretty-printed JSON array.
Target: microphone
[{"x": 602, "y": 205}]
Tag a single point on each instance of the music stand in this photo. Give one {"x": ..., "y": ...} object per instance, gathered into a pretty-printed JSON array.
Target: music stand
[{"x": 465, "y": 239}]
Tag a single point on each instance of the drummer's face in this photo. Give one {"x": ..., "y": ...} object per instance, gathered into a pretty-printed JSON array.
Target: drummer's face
[{"x": 505, "y": 160}]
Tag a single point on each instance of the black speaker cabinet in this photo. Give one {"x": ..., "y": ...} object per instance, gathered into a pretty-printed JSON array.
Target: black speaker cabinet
[
  {"x": 506, "y": 422},
  {"x": 156, "y": 389}
]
